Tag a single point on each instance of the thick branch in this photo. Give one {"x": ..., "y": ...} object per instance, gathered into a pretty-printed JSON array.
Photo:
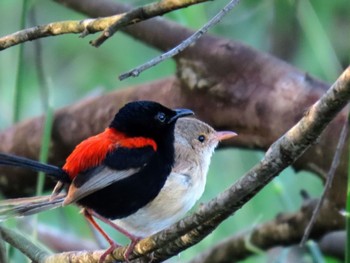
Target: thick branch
[{"x": 24, "y": 245}]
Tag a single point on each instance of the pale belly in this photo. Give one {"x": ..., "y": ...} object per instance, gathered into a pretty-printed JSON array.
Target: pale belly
[{"x": 177, "y": 197}]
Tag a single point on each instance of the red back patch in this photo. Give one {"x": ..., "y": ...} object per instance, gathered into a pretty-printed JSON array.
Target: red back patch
[{"x": 92, "y": 151}]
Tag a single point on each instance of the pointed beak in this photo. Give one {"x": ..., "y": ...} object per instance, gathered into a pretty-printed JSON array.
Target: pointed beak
[
  {"x": 181, "y": 113},
  {"x": 224, "y": 135}
]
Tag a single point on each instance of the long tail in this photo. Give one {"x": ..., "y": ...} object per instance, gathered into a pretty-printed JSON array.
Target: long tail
[
  {"x": 55, "y": 172},
  {"x": 28, "y": 206}
]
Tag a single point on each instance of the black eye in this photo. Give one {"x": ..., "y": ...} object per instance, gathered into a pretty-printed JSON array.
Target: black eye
[
  {"x": 201, "y": 138},
  {"x": 161, "y": 116}
]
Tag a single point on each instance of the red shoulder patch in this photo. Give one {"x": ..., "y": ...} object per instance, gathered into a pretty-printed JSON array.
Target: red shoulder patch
[{"x": 92, "y": 151}]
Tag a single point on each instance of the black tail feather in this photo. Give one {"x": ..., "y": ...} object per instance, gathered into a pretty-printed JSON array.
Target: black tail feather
[
  {"x": 55, "y": 172},
  {"x": 28, "y": 205}
]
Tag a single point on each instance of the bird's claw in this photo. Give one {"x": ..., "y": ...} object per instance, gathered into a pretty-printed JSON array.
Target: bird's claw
[
  {"x": 109, "y": 251},
  {"x": 130, "y": 248}
]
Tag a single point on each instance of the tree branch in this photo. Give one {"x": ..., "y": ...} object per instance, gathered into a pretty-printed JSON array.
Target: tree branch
[
  {"x": 23, "y": 244},
  {"x": 157, "y": 32},
  {"x": 329, "y": 180},
  {"x": 143, "y": 13},
  {"x": 87, "y": 26},
  {"x": 84, "y": 27}
]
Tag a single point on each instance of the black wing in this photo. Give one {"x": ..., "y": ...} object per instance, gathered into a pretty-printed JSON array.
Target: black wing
[{"x": 118, "y": 165}]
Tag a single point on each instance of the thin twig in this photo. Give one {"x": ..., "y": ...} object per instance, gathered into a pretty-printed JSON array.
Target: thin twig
[
  {"x": 176, "y": 50},
  {"x": 143, "y": 13},
  {"x": 329, "y": 180},
  {"x": 56, "y": 28}
]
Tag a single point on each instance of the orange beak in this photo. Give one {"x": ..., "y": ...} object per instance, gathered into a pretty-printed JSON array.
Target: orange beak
[{"x": 224, "y": 135}]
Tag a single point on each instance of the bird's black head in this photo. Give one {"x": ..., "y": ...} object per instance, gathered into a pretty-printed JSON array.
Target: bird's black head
[{"x": 147, "y": 119}]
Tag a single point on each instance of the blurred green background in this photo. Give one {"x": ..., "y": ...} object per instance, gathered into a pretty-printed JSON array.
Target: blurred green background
[{"x": 313, "y": 35}]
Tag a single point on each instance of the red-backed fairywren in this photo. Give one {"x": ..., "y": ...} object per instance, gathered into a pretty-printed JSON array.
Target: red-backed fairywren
[{"x": 123, "y": 174}]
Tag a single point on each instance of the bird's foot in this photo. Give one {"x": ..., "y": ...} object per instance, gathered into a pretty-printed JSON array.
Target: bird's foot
[
  {"x": 108, "y": 252},
  {"x": 127, "y": 253},
  {"x": 131, "y": 246}
]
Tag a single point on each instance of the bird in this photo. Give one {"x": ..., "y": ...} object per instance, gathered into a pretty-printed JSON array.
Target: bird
[
  {"x": 118, "y": 171},
  {"x": 195, "y": 142}
]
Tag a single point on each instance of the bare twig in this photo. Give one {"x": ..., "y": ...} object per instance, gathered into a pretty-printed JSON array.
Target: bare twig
[
  {"x": 56, "y": 28},
  {"x": 143, "y": 13},
  {"x": 89, "y": 26},
  {"x": 329, "y": 181},
  {"x": 176, "y": 50}
]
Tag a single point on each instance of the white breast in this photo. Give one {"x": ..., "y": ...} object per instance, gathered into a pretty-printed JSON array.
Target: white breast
[{"x": 178, "y": 196}]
